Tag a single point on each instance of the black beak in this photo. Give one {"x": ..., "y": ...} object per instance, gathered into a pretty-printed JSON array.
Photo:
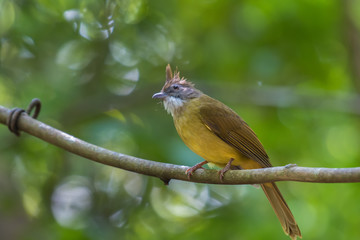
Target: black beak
[{"x": 159, "y": 95}]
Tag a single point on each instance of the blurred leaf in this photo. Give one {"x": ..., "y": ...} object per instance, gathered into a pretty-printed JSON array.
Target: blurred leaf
[
  {"x": 285, "y": 66},
  {"x": 7, "y": 15}
]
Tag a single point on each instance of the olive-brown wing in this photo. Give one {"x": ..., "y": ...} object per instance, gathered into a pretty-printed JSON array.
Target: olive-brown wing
[{"x": 228, "y": 126}]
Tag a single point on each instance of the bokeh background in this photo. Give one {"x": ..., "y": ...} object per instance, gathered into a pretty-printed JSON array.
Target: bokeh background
[{"x": 289, "y": 68}]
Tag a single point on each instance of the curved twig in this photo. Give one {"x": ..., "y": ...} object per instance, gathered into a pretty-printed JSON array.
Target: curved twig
[
  {"x": 166, "y": 172},
  {"x": 15, "y": 113}
]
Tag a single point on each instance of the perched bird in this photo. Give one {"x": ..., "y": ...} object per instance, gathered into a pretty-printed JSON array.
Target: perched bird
[{"x": 216, "y": 133}]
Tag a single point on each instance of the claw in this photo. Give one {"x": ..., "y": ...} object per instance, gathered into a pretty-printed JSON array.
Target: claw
[
  {"x": 225, "y": 169},
  {"x": 191, "y": 170}
]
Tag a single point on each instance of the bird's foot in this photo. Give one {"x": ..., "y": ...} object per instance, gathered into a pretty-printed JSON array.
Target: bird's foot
[
  {"x": 191, "y": 170},
  {"x": 225, "y": 169}
]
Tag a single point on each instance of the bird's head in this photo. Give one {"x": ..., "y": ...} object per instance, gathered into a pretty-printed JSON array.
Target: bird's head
[{"x": 176, "y": 91}]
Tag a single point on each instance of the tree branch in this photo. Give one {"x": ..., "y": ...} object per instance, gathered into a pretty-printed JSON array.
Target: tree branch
[{"x": 166, "y": 171}]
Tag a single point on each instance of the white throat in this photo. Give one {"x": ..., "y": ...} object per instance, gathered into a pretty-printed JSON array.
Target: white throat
[{"x": 173, "y": 104}]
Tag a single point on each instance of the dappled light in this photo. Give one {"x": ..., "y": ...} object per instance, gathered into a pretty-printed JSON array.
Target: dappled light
[
  {"x": 290, "y": 69},
  {"x": 71, "y": 202}
]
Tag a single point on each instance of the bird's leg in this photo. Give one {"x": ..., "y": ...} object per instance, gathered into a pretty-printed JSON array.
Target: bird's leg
[
  {"x": 225, "y": 169},
  {"x": 191, "y": 170}
]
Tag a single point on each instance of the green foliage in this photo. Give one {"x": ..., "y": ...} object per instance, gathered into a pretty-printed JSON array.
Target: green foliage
[{"x": 284, "y": 66}]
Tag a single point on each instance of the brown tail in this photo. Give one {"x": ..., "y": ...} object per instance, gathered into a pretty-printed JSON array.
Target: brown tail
[{"x": 282, "y": 210}]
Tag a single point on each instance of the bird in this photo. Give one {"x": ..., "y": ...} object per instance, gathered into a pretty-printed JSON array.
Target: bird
[{"x": 221, "y": 137}]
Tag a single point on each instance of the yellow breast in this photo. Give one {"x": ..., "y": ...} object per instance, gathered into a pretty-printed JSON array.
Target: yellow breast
[{"x": 201, "y": 140}]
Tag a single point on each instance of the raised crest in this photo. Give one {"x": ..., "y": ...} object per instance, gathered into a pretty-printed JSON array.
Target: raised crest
[{"x": 172, "y": 78}]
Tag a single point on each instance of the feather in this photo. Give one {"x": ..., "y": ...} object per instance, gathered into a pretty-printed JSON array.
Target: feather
[{"x": 228, "y": 126}]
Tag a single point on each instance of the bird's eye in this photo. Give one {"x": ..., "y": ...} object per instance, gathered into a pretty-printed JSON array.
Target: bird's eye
[{"x": 175, "y": 87}]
